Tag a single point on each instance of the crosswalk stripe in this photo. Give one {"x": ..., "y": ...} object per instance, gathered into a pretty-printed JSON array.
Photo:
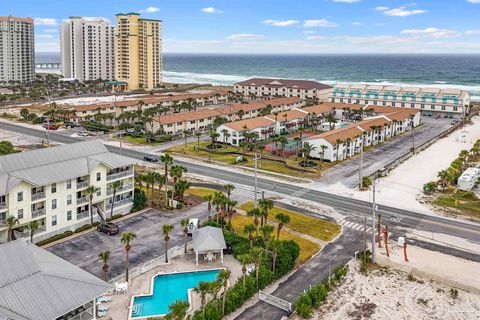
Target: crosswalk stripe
[{"x": 348, "y": 225}]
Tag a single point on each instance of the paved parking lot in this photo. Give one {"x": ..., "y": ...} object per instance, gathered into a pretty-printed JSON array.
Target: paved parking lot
[
  {"x": 379, "y": 156},
  {"x": 83, "y": 251}
]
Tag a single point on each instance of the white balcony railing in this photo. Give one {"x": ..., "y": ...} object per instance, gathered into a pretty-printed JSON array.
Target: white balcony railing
[
  {"x": 118, "y": 175},
  {"x": 38, "y": 195},
  {"x": 82, "y": 184},
  {"x": 123, "y": 188},
  {"x": 81, "y": 200},
  {"x": 120, "y": 203},
  {"x": 38, "y": 212}
]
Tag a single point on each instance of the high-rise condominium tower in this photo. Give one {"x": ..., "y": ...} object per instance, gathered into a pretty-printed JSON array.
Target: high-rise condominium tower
[
  {"x": 138, "y": 49},
  {"x": 17, "y": 49},
  {"x": 88, "y": 51}
]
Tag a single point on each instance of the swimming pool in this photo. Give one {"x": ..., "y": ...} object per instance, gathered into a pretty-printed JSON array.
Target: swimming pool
[{"x": 166, "y": 289}]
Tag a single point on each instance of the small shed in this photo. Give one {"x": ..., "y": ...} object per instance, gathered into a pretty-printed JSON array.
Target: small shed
[{"x": 207, "y": 241}]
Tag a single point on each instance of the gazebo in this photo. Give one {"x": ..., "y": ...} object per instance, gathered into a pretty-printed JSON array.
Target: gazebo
[{"x": 208, "y": 241}]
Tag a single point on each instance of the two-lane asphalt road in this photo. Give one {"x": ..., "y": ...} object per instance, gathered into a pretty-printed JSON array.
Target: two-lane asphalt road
[{"x": 347, "y": 205}]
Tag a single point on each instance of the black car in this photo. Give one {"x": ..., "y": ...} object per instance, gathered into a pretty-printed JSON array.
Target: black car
[
  {"x": 108, "y": 228},
  {"x": 150, "y": 158}
]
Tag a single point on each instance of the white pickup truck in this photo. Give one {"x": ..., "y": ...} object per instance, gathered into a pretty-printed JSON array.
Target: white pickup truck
[{"x": 192, "y": 225}]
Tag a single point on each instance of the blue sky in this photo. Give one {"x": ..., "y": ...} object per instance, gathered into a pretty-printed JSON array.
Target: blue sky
[{"x": 279, "y": 26}]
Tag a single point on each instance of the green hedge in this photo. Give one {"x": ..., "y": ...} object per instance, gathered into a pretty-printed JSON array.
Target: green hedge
[
  {"x": 315, "y": 296},
  {"x": 83, "y": 228},
  {"x": 139, "y": 200}
]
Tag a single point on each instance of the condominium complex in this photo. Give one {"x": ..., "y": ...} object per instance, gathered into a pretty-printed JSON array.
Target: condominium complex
[
  {"x": 138, "y": 49},
  {"x": 303, "y": 89},
  {"x": 431, "y": 101},
  {"x": 17, "y": 49},
  {"x": 88, "y": 49},
  {"x": 49, "y": 186}
]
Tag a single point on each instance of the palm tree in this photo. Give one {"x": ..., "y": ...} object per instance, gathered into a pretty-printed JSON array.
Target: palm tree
[
  {"x": 33, "y": 227},
  {"x": 229, "y": 188},
  {"x": 257, "y": 255},
  {"x": 274, "y": 245},
  {"x": 283, "y": 142},
  {"x": 231, "y": 204},
  {"x": 114, "y": 186},
  {"x": 223, "y": 277},
  {"x": 322, "y": 152},
  {"x": 266, "y": 232},
  {"x": 176, "y": 172},
  {"x": 198, "y": 134},
  {"x": 166, "y": 229},
  {"x": 90, "y": 191},
  {"x": 178, "y": 310},
  {"x": 306, "y": 150},
  {"x": 297, "y": 142},
  {"x": 249, "y": 229},
  {"x": 125, "y": 239},
  {"x": 11, "y": 222},
  {"x": 160, "y": 180},
  {"x": 265, "y": 205},
  {"x": 180, "y": 187},
  {"x": 202, "y": 289},
  {"x": 282, "y": 219},
  {"x": 209, "y": 198},
  {"x": 444, "y": 178},
  {"x": 184, "y": 224},
  {"x": 255, "y": 213},
  {"x": 213, "y": 136},
  {"x": 244, "y": 259},
  {"x": 104, "y": 257},
  {"x": 167, "y": 160},
  {"x": 338, "y": 142}
]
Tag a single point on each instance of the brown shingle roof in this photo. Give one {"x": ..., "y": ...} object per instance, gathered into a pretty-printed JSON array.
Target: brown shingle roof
[
  {"x": 300, "y": 84},
  {"x": 251, "y": 124},
  {"x": 291, "y": 115},
  {"x": 343, "y": 134}
]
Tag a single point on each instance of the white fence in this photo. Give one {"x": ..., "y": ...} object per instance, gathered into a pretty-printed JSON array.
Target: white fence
[
  {"x": 274, "y": 301},
  {"x": 149, "y": 265}
]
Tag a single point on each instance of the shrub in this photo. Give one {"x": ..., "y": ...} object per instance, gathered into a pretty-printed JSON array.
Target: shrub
[
  {"x": 430, "y": 187},
  {"x": 366, "y": 181},
  {"x": 162, "y": 137},
  {"x": 286, "y": 258},
  {"x": 96, "y": 224},
  {"x": 454, "y": 293},
  {"x": 318, "y": 294},
  {"x": 139, "y": 200},
  {"x": 83, "y": 228},
  {"x": 303, "y": 306}
]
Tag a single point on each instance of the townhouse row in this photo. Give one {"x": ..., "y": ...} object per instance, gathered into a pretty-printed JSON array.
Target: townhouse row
[
  {"x": 264, "y": 87},
  {"x": 444, "y": 102},
  {"x": 203, "y": 120},
  {"x": 49, "y": 186}
]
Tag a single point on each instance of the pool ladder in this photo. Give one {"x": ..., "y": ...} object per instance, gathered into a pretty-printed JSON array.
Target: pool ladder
[{"x": 137, "y": 310}]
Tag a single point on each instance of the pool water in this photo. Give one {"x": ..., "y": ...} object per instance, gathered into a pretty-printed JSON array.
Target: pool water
[{"x": 167, "y": 289}]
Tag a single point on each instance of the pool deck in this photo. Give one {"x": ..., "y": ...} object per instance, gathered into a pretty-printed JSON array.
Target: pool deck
[{"x": 119, "y": 307}]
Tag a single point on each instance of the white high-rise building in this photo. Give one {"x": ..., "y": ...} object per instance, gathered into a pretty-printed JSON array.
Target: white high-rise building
[
  {"x": 88, "y": 49},
  {"x": 17, "y": 49}
]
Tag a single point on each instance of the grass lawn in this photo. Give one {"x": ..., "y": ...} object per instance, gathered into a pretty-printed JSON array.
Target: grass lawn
[
  {"x": 263, "y": 164},
  {"x": 201, "y": 192},
  {"x": 307, "y": 247},
  {"x": 464, "y": 201},
  {"x": 157, "y": 197},
  {"x": 314, "y": 227}
]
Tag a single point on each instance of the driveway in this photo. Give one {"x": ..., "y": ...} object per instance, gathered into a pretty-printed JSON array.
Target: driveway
[
  {"x": 376, "y": 158},
  {"x": 149, "y": 244}
]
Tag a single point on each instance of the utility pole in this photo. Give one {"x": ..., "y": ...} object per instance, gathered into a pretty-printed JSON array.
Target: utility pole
[
  {"x": 360, "y": 169},
  {"x": 413, "y": 138},
  {"x": 373, "y": 222},
  {"x": 255, "y": 187}
]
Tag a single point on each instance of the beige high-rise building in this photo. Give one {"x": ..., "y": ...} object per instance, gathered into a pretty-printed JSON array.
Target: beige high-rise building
[
  {"x": 17, "y": 49},
  {"x": 138, "y": 48}
]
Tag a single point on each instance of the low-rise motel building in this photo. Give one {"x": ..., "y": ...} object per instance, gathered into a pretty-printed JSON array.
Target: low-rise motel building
[
  {"x": 442, "y": 102},
  {"x": 381, "y": 124},
  {"x": 203, "y": 119},
  {"x": 263, "y": 87},
  {"x": 50, "y": 185}
]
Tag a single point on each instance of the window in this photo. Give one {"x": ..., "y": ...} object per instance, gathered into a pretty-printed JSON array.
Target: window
[
  {"x": 54, "y": 221},
  {"x": 54, "y": 188},
  {"x": 54, "y": 204},
  {"x": 99, "y": 192},
  {"x": 99, "y": 176},
  {"x": 20, "y": 196},
  {"x": 69, "y": 199},
  {"x": 20, "y": 214},
  {"x": 69, "y": 215},
  {"x": 69, "y": 184}
]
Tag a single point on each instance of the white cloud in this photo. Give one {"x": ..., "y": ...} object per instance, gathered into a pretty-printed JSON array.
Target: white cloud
[
  {"x": 280, "y": 23},
  {"x": 45, "y": 21},
  {"x": 211, "y": 10},
  {"x": 399, "y": 12},
  {"x": 432, "y": 32},
  {"x": 347, "y": 1},
  {"x": 52, "y": 46},
  {"x": 245, "y": 36},
  {"x": 357, "y": 23},
  {"x": 313, "y": 38},
  {"x": 50, "y": 30},
  {"x": 474, "y": 1},
  {"x": 150, "y": 10},
  {"x": 44, "y": 36},
  {"x": 309, "y": 31},
  {"x": 324, "y": 23},
  {"x": 379, "y": 24},
  {"x": 381, "y": 40},
  {"x": 472, "y": 32}
]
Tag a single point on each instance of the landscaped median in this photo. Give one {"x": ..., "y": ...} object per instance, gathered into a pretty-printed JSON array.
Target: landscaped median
[{"x": 315, "y": 227}]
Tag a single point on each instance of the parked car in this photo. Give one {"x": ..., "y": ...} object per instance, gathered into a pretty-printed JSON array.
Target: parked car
[
  {"x": 192, "y": 225},
  {"x": 150, "y": 158},
  {"x": 51, "y": 127},
  {"x": 108, "y": 228},
  {"x": 82, "y": 133},
  {"x": 72, "y": 124}
]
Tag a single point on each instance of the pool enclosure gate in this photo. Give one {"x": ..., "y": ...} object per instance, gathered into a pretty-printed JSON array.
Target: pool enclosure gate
[{"x": 274, "y": 301}]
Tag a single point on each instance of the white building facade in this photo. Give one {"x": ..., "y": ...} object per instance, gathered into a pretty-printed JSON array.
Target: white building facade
[
  {"x": 17, "y": 49},
  {"x": 88, "y": 49},
  {"x": 49, "y": 186},
  {"x": 444, "y": 102}
]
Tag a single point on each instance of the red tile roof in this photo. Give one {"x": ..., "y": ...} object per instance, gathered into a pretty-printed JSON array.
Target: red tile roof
[{"x": 300, "y": 84}]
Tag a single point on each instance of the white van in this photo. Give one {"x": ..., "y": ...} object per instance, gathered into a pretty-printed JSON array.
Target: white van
[{"x": 192, "y": 225}]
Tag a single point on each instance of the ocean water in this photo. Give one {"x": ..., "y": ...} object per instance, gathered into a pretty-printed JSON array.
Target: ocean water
[{"x": 458, "y": 71}]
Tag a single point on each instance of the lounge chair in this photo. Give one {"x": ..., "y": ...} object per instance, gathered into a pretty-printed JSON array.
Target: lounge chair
[
  {"x": 102, "y": 307},
  {"x": 101, "y": 314},
  {"x": 104, "y": 299}
]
